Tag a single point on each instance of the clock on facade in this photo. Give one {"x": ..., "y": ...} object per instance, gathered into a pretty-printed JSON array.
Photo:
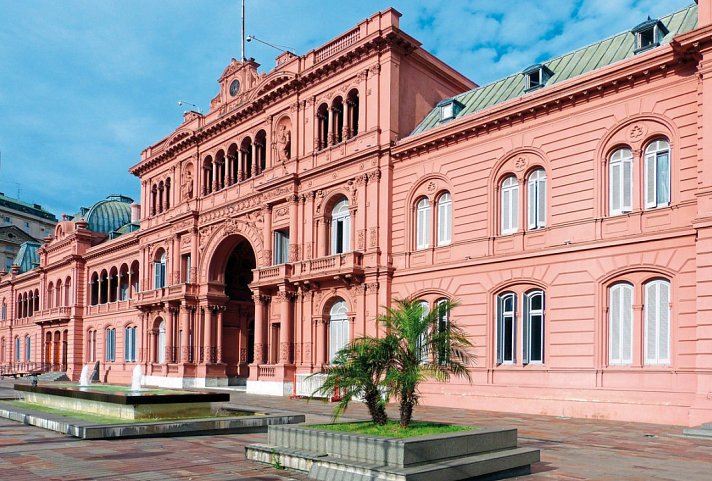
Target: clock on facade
[{"x": 234, "y": 87}]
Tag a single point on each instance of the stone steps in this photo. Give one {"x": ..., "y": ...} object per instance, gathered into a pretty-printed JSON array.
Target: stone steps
[{"x": 53, "y": 376}]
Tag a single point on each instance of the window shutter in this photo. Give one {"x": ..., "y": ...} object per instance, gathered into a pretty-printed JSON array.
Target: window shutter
[
  {"x": 527, "y": 328},
  {"x": 663, "y": 178},
  {"x": 541, "y": 202},
  {"x": 334, "y": 236},
  {"x": 664, "y": 323},
  {"x": 532, "y": 207},
  {"x": 651, "y": 323},
  {"x": 500, "y": 332},
  {"x": 650, "y": 181},
  {"x": 615, "y": 188},
  {"x": 614, "y": 315},
  {"x": 346, "y": 245},
  {"x": 156, "y": 275},
  {"x": 506, "y": 211},
  {"x": 627, "y": 325},
  {"x": 627, "y": 185}
]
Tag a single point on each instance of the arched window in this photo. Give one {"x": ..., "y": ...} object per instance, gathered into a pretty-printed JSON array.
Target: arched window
[
  {"x": 620, "y": 328},
  {"x": 113, "y": 284},
  {"x": 160, "y": 196},
  {"x": 168, "y": 193},
  {"x": 657, "y": 174},
  {"x": 620, "y": 181},
  {"x": 510, "y": 205},
  {"x": 340, "y": 228},
  {"x": 338, "y": 328},
  {"x": 246, "y": 152},
  {"x": 103, "y": 287},
  {"x": 94, "y": 289},
  {"x": 444, "y": 219},
  {"x": 50, "y": 296},
  {"x": 533, "y": 327},
  {"x": 68, "y": 291},
  {"x": 91, "y": 345},
  {"x": 443, "y": 326},
  {"x": 261, "y": 151},
  {"x": 28, "y": 348},
  {"x": 154, "y": 198},
  {"x": 322, "y": 116},
  {"x": 3, "y": 312},
  {"x": 536, "y": 199},
  {"x": 506, "y": 327},
  {"x": 422, "y": 224},
  {"x": 159, "y": 270},
  {"x": 219, "y": 170},
  {"x": 111, "y": 344},
  {"x": 17, "y": 349},
  {"x": 352, "y": 104},
  {"x": 130, "y": 344},
  {"x": 337, "y": 118},
  {"x": 208, "y": 175},
  {"x": 161, "y": 343},
  {"x": 657, "y": 322},
  {"x": 58, "y": 294}
]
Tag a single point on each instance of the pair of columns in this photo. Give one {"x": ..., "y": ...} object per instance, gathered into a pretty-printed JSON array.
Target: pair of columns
[{"x": 286, "y": 314}]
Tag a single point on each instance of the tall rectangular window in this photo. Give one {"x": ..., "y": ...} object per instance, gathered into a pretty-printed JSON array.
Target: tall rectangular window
[
  {"x": 422, "y": 340},
  {"x": 185, "y": 267},
  {"x": 510, "y": 205},
  {"x": 111, "y": 345},
  {"x": 533, "y": 327},
  {"x": 130, "y": 344},
  {"x": 657, "y": 323},
  {"x": 422, "y": 224},
  {"x": 620, "y": 318},
  {"x": 506, "y": 315},
  {"x": 657, "y": 174},
  {"x": 536, "y": 200},
  {"x": 281, "y": 246},
  {"x": 444, "y": 219},
  {"x": 620, "y": 177},
  {"x": 28, "y": 348}
]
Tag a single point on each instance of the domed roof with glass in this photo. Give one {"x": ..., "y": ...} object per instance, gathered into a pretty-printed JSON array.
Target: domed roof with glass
[{"x": 107, "y": 215}]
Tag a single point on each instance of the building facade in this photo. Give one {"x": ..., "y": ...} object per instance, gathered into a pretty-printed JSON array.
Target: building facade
[
  {"x": 21, "y": 222},
  {"x": 567, "y": 207}
]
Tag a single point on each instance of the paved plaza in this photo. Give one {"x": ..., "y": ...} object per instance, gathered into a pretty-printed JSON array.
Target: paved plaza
[{"x": 571, "y": 449}]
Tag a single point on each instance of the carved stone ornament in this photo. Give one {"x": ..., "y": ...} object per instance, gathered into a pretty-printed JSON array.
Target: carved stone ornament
[
  {"x": 374, "y": 237},
  {"x": 520, "y": 164},
  {"x": 231, "y": 226},
  {"x": 636, "y": 132},
  {"x": 432, "y": 186}
]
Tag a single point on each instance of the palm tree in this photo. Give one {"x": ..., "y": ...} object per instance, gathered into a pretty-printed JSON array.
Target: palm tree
[
  {"x": 425, "y": 345},
  {"x": 357, "y": 371}
]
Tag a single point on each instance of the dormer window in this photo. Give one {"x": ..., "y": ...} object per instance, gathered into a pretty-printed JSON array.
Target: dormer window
[
  {"x": 449, "y": 108},
  {"x": 536, "y": 76},
  {"x": 648, "y": 34}
]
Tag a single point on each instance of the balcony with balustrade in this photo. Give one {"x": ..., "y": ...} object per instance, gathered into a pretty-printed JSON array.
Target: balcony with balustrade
[
  {"x": 175, "y": 292},
  {"x": 347, "y": 266}
]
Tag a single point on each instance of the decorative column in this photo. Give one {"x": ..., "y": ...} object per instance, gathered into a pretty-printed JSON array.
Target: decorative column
[
  {"x": 260, "y": 330},
  {"x": 293, "y": 201},
  {"x": 220, "y": 311},
  {"x": 267, "y": 235},
  {"x": 208, "y": 341},
  {"x": 286, "y": 324},
  {"x": 169, "y": 335},
  {"x": 184, "y": 320},
  {"x": 214, "y": 166},
  {"x": 320, "y": 341}
]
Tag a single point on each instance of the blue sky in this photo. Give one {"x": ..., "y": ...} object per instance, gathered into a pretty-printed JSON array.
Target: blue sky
[{"x": 85, "y": 86}]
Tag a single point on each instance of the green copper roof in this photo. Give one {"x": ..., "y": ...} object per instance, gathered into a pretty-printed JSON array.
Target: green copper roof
[
  {"x": 27, "y": 257},
  {"x": 108, "y": 215},
  {"x": 567, "y": 66},
  {"x": 32, "y": 209}
]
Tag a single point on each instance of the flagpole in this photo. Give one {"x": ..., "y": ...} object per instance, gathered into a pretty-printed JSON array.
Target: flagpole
[{"x": 242, "y": 38}]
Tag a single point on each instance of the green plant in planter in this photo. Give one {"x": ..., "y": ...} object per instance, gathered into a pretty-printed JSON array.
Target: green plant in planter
[{"x": 418, "y": 344}]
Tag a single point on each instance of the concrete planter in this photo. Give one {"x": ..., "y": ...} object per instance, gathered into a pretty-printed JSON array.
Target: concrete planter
[{"x": 327, "y": 455}]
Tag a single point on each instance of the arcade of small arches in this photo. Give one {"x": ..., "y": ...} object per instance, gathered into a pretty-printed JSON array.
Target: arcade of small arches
[
  {"x": 114, "y": 284},
  {"x": 27, "y": 303},
  {"x": 238, "y": 163},
  {"x": 337, "y": 121}
]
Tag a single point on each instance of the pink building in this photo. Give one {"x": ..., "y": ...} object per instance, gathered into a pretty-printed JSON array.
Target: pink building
[{"x": 567, "y": 207}]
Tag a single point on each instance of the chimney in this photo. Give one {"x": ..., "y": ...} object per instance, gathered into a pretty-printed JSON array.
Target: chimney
[
  {"x": 135, "y": 212},
  {"x": 704, "y": 13}
]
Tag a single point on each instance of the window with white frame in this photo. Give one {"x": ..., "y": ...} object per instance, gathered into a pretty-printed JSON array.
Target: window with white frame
[
  {"x": 657, "y": 174},
  {"x": 620, "y": 181},
  {"x": 444, "y": 219},
  {"x": 159, "y": 271},
  {"x": 536, "y": 200},
  {"x": 422, "y": 346},
  {"x": 443, "y": 326},
  {"x": 91, "y": 346},
  {"x": 28, "y": 348},
  {"x": 620, "y": 319},
  {"x": 130, "y": 344},
  {"x": 340, "y": 228},
  {"x": 111, "y": 345},
  {"x": 338, "y": 328},
  {"x": 161, "y": 343},
  {"x": 533, "y": 345},
  {"x": 657, "y": 322},
  {"x": 281, "y": 246},
  {"x": 506, "y": 325},
  {"x": 422, "y": 223},
  {"x": 510, "y": 205}
]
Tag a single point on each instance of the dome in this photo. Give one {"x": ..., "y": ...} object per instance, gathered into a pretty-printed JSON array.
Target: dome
[{"x": 109, "y": 214}]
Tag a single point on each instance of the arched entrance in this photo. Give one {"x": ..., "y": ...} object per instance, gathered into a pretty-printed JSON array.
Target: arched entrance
[{"x": 231, "y": 271}]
